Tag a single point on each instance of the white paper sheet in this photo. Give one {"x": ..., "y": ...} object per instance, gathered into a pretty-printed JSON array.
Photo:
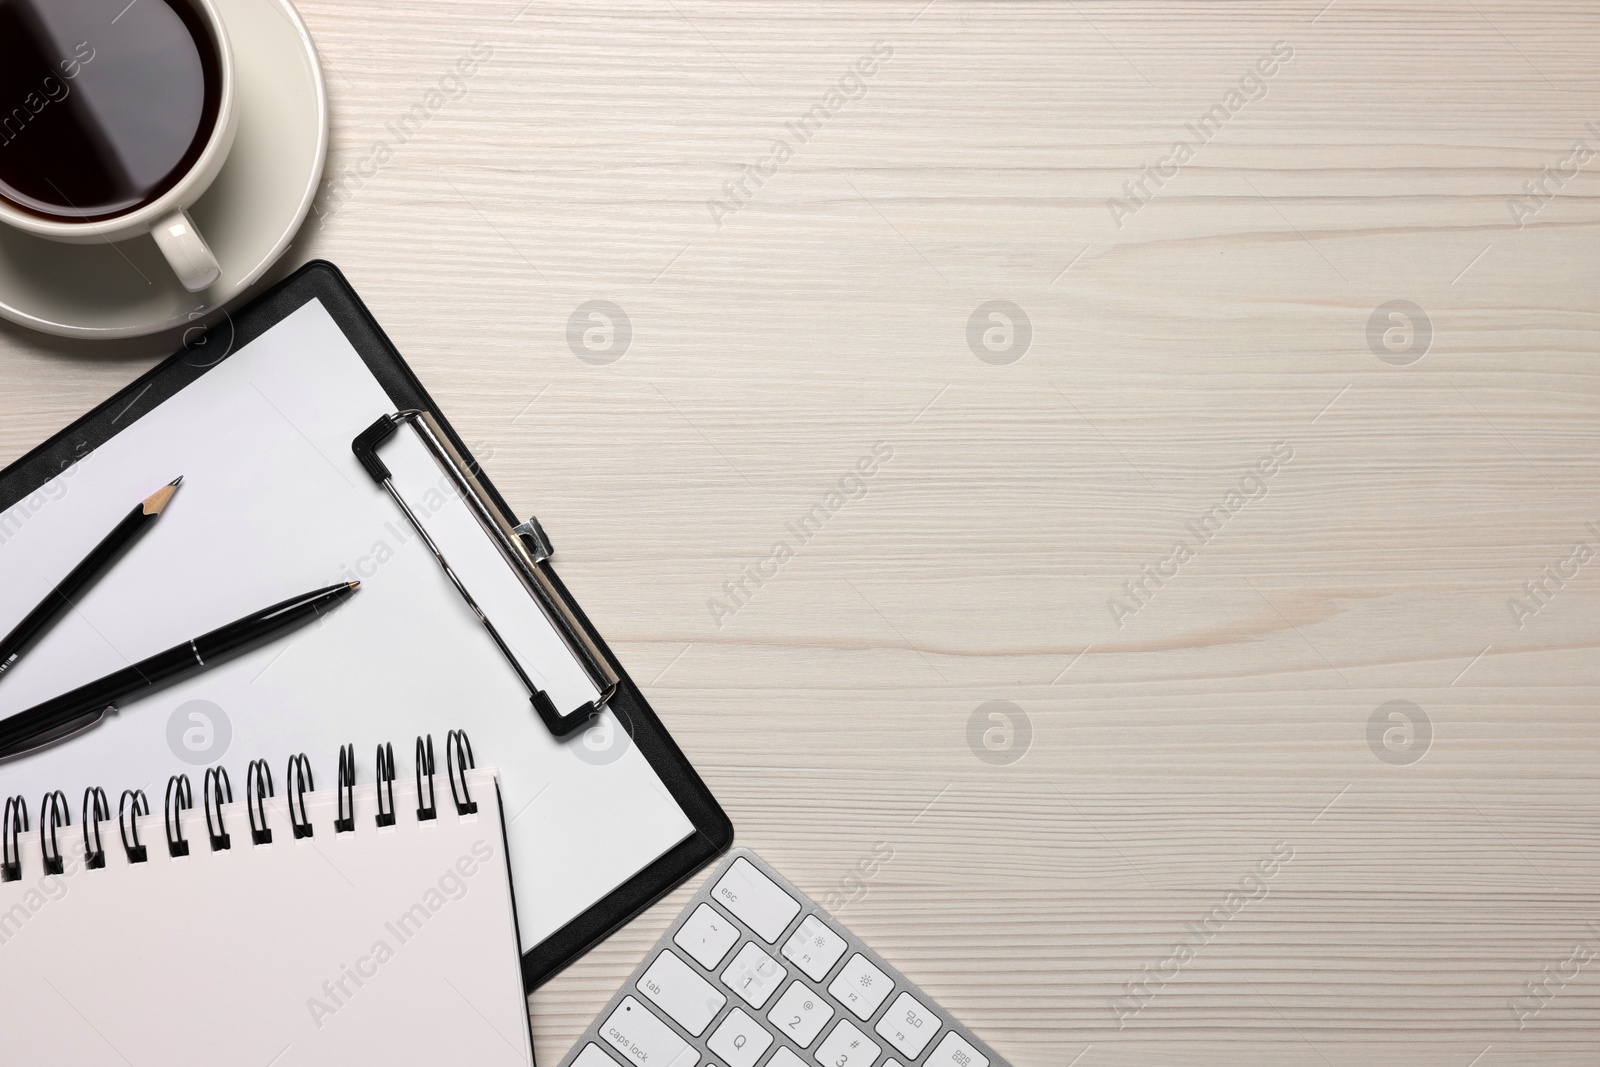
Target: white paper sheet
[{"x": 274, "y": 504}]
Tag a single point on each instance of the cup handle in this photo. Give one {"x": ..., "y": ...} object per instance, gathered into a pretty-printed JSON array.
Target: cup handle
[{"x": 186, "y": 251}]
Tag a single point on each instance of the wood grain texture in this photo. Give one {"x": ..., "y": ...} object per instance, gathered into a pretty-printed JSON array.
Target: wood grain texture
[{"x": 1172, "y": 747}]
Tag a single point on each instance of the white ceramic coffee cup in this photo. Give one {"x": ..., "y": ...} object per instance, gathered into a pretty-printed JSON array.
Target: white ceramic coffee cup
[{"x": 167, "y": 217}]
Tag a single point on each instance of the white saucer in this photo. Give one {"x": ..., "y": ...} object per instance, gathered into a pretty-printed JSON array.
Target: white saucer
[{"x": 248, "y": 216}]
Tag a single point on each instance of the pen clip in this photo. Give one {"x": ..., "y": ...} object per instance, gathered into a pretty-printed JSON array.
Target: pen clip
[{"x": 57, "y": 734}]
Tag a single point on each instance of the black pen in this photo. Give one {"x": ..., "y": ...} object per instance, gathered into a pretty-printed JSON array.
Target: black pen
[
  {"x": 96, "y": 563},
  {"x": 56, "y": 719}
]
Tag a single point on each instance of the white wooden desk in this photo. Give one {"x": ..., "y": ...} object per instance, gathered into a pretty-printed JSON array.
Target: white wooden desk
[{"x": 780, "y": 330}]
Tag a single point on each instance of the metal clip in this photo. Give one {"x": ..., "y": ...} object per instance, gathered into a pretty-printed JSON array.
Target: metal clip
[
  {"x": 533, "y": 536},
  {"x": 524, "y": 547}
]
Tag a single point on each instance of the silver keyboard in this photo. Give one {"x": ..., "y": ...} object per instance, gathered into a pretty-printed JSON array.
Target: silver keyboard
[{"x": 755, "y": 974}]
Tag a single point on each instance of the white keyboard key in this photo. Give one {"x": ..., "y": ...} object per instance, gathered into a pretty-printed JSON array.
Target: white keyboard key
[
  {"x": 847, "y": 1047},
  {"x": 955, "y": 1051},
  {"x": 814, "y": 948},
  {"x": 753, "y": 975},
  {"x": 706, "y": 937},
  {"x": 644, "y": 1040},
  {"x": 861, "y": 987},
  {"x": 591, "y": 1056},
  {"x": 800, "y": 1015},
  {"x": 677, "y": 990},
  {"x": 740, "y": 1039},
  {"x": 908, "y": 1025},
  {"x": 781, "y": 1058},
  {"x": 756, "y": 899}
]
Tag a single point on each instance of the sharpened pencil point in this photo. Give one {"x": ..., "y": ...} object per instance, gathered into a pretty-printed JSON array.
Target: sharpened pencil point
[
  {"x": 157, "y": 501},
  {"x": 176, "y": 481}
]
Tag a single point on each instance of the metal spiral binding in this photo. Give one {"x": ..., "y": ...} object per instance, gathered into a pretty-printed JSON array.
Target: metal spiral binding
[
  {"x": 180, "y": 798},
  {"x": 217, "y": 791},
  {"x": 385, "y": 784},
  {"x": 216, "y": 782},
  {"x": 16, "y": 822},
  {"x": 345, "y": 822},
  {"x": 136, "y": 851},
  {"x": 458, "y": 756},
  {"x": 297, "y": 782},
  {"x": 94, "y": 855},
  {"x": 430, "y": 810},
  {"x": 257, "y": 788},
  {"x": 53, "y": 810}
]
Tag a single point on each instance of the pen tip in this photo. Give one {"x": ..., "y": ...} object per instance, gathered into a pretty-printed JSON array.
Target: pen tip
[{"x": 354, "y": 585}]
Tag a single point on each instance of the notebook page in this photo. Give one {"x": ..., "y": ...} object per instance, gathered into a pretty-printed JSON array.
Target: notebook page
[{"x": 392, "y": 945}]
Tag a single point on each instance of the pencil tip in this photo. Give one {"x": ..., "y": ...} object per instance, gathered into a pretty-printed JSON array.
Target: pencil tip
[
  {"x": 176, "y": 481},
  {"x": 157, "y": 501}
]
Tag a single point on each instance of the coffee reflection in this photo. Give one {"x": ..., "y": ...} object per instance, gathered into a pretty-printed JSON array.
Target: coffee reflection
[{"x": 104, "y": 105}]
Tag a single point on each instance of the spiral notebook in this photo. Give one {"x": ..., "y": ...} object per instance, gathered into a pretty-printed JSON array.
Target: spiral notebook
[{"x": 337, "y": 927}]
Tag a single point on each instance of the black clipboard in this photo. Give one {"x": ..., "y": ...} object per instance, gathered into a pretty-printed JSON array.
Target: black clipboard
[{"x": 207, "y": 347}]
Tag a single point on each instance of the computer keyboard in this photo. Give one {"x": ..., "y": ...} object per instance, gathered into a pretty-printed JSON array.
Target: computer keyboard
[{"x": 755, "y": 974}]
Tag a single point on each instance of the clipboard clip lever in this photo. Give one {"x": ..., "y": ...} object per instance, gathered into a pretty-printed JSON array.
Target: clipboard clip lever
[
  {"x": 533, "y": 537},
  {"x": 523, "y": 545}
]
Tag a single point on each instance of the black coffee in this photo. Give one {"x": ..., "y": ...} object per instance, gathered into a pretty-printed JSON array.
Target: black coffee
[{"x": 104, "y": 104}]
